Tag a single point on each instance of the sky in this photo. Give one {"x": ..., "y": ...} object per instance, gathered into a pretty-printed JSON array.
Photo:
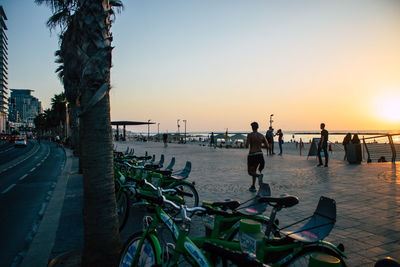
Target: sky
[{"x": 223, "y": 64}]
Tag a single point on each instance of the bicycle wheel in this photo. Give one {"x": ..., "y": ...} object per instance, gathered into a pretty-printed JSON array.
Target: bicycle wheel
[
  {"x": 303, "y": 257},
  {"x": 123, "y": 209},
  {"x": 188, "y": 192},
  {"x": 147, "y": 255}
]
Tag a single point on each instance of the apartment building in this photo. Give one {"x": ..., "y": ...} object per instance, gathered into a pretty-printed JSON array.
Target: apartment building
[
  {"x": 3, "y": 72},
  {"x": 23, "y": 106}
]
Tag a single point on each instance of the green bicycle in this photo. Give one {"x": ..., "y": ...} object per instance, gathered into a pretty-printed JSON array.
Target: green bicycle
[
  {"x": 166, "y": 179},
  {"x": 234, "y": 231},
  {"x": 144, "y": 248}
]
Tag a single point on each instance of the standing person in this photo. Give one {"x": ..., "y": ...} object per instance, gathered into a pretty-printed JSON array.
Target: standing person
[
  {"x": 346, "y": 141},
  {"x": 212, "y": 140},
  {"x": 165, "y": 139},
  {"x": 323, "y": 145},
  {"x": 355, "y": 139},
  {"x": 270, "y": 138},
  {"x": 280, "y": 140},
  {"x": 301, "y": 145},
  {"x": 255, "y": 159}
]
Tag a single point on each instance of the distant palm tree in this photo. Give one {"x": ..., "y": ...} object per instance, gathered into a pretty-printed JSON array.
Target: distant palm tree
[
  {"x": 90, "y": 42},
  {"x": 69, "y": 70},
  {"x": 58, "y": 106}
]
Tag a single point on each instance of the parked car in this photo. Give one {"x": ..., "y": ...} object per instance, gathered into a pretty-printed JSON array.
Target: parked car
[{"x": 20, "y": 142}]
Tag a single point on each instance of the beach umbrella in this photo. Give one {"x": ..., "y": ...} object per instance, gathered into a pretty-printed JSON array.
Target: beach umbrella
[
  {"x": 238, "y": 136},
  {"x": 219, "y": 136}
]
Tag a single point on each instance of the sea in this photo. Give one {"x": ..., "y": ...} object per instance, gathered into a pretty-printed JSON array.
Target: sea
[{"x": 375, "y": 136}]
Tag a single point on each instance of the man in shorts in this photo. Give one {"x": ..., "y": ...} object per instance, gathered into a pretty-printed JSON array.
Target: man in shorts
[{"x": 255, "y": 159}]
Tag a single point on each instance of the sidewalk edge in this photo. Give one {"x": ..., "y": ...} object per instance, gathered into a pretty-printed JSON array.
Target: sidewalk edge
[{"x": 43, "y": 242}]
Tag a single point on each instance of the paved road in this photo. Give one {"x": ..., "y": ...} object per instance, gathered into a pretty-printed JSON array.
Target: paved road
[
  {"x": 27, "y": 177},
  {"x": 8, "y": 152}
]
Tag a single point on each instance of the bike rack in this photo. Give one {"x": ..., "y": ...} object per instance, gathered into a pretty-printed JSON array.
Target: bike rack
[
  {"x": 170, "y": 165},
  {"x": 318, "y": 226},
  {"x": 255, "y": 207},
  {"x": 185, "y": 172}
]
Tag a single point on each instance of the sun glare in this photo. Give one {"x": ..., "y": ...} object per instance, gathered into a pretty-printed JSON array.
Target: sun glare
[{"x": 390, "y": 109}]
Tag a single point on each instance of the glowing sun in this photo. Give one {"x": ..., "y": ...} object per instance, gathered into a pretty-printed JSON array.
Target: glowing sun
[{"x": 389, "y": 109}]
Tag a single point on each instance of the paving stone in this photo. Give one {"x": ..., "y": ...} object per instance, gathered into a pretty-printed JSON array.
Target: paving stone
[{"x": 367, "y": 195}]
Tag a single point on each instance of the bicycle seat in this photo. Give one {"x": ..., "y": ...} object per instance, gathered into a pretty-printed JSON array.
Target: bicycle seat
[
  {"x": 232, "y": 205},
  {"x": 280, "y": 202}
]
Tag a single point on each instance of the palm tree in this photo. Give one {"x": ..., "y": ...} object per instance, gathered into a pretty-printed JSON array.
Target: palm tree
[
  {"x": 91, "y": 33},
  {"x": 58, "y": 106},
  {"x": 101, "y": 240}
]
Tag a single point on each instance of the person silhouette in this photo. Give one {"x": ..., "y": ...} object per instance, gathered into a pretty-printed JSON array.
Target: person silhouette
[
  {"x": 255, "y": 159},
  {"x": 323, "y": 145}
]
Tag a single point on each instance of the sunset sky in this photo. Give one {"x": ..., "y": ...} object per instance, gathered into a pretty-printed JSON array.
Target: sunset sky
[{"x": 223, "y": 64}]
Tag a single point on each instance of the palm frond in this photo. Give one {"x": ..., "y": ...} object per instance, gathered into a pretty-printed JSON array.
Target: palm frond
[
  {"x": 59, "y": 19},
  {"x": 117, "y": 4},
  {"x": 60, "y": 68}
]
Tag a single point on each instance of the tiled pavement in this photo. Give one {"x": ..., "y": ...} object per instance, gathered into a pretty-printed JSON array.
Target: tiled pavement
[{"x": 367, "y": 195}]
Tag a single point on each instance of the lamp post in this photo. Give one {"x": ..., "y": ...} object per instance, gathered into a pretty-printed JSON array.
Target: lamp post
[
  {"x": 270, "y": 120},
  {"x": 148, "y": 130},
  {"x": 185, "y": 129},
  {"x": 179, "y": 135},
  {"x": 158, "y": 128}
]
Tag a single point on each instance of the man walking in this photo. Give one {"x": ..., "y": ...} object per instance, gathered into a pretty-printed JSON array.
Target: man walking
[
  {"x": 323, "y": 145},
  {"x": 255, "y": 159}
]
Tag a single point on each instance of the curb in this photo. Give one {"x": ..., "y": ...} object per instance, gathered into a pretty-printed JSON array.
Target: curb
[{"x": 43, "y": 242}]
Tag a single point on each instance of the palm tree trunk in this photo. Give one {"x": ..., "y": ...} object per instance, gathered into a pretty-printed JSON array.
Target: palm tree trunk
[
  {"x": 101, "y": 236},
  {"x": 74, "y": 126}
]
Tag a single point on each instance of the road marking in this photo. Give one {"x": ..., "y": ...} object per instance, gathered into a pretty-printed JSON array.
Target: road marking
[
  {"x": 37, "y": 165},
  {"x": 30, "y": 154},
  {"x": 34, "y": 168},
  {"x": 23, "y": 177},
  {"x": 8, "y": 188},
  {"x": 6, "y": 150}
]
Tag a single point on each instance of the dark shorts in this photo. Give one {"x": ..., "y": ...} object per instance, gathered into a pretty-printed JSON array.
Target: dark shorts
[{"x": 254, "y": 161}]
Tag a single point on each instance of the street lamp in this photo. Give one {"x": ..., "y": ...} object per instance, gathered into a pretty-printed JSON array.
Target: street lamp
[
  {"x": 270, "y": 120},
  {"x": 148, "y": 130},
  {"x": 185, "y": 129},
  {"x": 179, "y": 135}
]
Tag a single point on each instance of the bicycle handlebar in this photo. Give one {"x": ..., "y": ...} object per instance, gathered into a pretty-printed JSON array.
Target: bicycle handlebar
[{"x": 160, "y": 199}]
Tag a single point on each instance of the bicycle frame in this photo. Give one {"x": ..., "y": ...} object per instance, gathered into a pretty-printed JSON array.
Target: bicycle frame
[
  {"x": 225, "y": 227},
  {"x": 183, "y": 247},
  {"x": 272, "y": 250}
]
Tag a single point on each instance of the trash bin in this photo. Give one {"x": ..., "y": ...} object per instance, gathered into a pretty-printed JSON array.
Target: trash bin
[{"x": 354, "y": 153}]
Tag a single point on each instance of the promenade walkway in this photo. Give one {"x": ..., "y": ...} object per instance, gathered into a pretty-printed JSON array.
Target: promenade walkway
[{"x": 367, "y": 195}]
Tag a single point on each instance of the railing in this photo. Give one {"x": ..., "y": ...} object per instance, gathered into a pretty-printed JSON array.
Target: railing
[{"x": 383, "y": 151}]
